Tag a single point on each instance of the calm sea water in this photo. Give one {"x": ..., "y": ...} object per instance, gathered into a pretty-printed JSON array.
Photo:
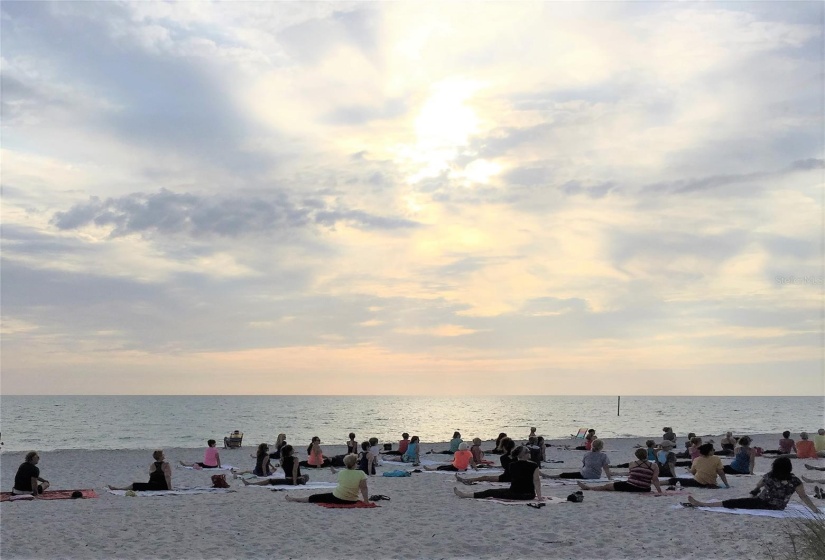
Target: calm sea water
[{"x": 141, "y": 422}]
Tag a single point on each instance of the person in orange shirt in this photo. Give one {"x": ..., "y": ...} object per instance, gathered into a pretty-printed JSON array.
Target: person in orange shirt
[
  {"x": 462, "y": 459},
  {"x": 804, "y": 449}
]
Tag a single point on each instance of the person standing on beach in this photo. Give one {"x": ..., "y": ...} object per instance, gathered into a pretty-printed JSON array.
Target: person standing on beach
[
  {"x": 211, "y": 457},
  {"x": 27, "y": 480},
  {"x": 160, "y": 476}
]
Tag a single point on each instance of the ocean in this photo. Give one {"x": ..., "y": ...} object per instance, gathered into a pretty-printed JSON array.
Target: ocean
[{"x": 47, "y": 423}]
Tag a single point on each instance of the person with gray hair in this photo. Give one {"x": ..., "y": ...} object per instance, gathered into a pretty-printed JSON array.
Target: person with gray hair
[{"x": 593, "y": 463}]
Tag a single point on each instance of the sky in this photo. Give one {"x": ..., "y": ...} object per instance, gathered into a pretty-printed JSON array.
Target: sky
[{"x": 412, "y": 198}]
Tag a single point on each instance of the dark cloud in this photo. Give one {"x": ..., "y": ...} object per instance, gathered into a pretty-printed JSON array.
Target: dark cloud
[{"x": 166, "y": 212}]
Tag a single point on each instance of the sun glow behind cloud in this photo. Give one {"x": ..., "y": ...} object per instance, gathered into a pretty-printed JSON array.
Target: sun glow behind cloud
[{"x": 411, "y": 191}]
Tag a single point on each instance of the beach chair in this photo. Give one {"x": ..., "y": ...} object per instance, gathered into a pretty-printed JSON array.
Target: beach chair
[
  {"x": 581, "y": 433},
  {"x": 234, "y": 440}
]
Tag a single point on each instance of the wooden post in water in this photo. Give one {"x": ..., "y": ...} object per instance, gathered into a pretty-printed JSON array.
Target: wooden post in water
[{"x": 619, "y": 407}]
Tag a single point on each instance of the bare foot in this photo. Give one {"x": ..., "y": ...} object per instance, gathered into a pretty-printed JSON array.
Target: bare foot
[
  {"x": 245, "y": 481},
  {"x": 693, "y": 500},
  {"x": 289, "y": 498},
  {"x": 583, "y": 486}
]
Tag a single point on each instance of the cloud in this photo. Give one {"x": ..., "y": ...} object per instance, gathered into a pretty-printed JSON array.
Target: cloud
[{"x": 167, "y": 213}]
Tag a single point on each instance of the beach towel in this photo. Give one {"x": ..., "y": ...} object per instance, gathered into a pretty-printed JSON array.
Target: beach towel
[
  {"x": 793, "y": 511},
  {"x": 469, "y": 472},
  {"x": 356, "y": 505},
  {"x": 544, "y": 500},
  {"x": 575, "y": 481},
  {"x": 397, "y": 474},
  {"x": 178, "y": 492},
  {"x": 47, "y": 495},
  {"x": 307, "y": 486},
  {"x": 221, "y": 468}
]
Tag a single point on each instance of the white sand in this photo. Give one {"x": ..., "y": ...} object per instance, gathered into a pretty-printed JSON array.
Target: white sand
[{"x": 423, "y": 520}]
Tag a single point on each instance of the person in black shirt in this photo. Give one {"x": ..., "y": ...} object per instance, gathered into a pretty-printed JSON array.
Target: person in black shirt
[
  {"x": 160, "y": 476},
  {"x": 27, "y": 480},
  {"x": 525, "y": 483},
  {"x": 507, "y": 445}
]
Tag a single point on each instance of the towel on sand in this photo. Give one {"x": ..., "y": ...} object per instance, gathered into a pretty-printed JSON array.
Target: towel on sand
[
  {"x": 47, "y": 495},
  {"x": 543, "y": 500},
  {"x": 221, "y": 468},
  {"x": 307, "y": 486},
  {"x": 793, "y": 511},
  {"x": 178, "y": 492}
]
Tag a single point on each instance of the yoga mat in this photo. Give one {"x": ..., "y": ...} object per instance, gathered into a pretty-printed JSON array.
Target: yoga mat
[
  {"x": 356, "y": 505},
  {"x": 307, "y": 486},
  {"x": 47, "y": 495},
  {"x": 469, "y": 472},
  {"x": 545, "y": 500},
  {"x": 221, "y": 468},
  {"x": 178, "y": 492},
  {"x": 793, "y": 511}
]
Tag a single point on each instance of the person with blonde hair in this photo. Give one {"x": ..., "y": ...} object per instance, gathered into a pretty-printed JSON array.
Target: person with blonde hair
[
  {"x": 351, "y": 482},
  {"x": 593, "y": 463},
  {"x": 160, "y": 476}
]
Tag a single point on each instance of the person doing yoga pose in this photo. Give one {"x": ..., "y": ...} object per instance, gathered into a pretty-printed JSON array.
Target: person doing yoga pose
[
  {"x": 773, "y": 492},
  {"x": 351, "y": 481},
  {"x": 462, "y": 459},
  {"x": 291, "y": 468},
  {"x": 744, "y": 459},
  {"x": 507, "y": 446},
  {"x": 316, "y": 459},
  {"x": 642, "y": 474},
  {"x": 160, "y": 476},
  {"x": 525, "y": 483},
  {"x": 593, "y": 463},
  {"x": 211, "y": 457},
  {"x": 705, "y": 469}
]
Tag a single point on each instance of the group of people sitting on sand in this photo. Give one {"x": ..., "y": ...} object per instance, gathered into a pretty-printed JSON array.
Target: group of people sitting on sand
[{"x": 653, "y": 465}]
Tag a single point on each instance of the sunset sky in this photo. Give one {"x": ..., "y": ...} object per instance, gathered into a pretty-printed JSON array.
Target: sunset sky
[{"x": 412, "y": 197}]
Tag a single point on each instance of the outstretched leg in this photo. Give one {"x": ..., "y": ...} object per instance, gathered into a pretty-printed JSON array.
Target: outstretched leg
[
  {"x": 603, "y": 488},
  {"x": 461, "y": 494},
  {"x": 291, "y": 499},
  {"x": 810, "y": 480},
  {"x": 697, "y": 503},
  {"x": 814, "y": 467},
  {"x": 110, "y": 487},
  {"x": 264, "y": 482}
]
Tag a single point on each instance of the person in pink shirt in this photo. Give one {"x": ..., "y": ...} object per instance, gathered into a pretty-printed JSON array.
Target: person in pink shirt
[{"x": 211, "y": 458}]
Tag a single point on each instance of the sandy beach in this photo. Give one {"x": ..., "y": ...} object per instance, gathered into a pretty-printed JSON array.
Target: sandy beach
[{"x": 423, "y": 519}]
